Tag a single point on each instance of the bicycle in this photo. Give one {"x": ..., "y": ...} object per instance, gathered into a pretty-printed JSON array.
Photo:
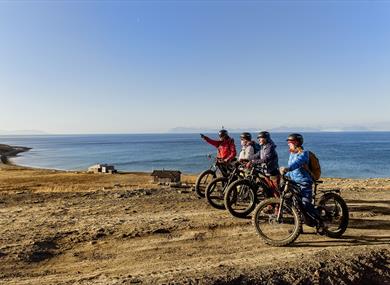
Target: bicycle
[
  {"x": 278, "y": 221},
  {"x": 242, "y": 196},
  {"x": 204, "y": 178},
  {"x": 216, "y": 189}
]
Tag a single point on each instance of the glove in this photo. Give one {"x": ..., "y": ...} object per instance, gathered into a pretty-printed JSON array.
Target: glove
[
  {"x": 283, "y": 170},
  {"x": 202, "y": 136}
]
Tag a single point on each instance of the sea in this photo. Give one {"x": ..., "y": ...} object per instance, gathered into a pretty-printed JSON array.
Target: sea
[{"x": 341, "y": 154}]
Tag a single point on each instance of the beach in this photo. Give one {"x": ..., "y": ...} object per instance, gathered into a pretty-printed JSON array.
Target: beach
[{"x": 73, "y": 227}]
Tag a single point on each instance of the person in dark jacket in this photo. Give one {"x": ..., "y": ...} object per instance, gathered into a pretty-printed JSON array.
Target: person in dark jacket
[{"x": 268, "y": 158}]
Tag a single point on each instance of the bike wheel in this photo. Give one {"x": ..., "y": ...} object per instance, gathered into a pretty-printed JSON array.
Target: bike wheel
[
  {"x": 240, "y": 198},
  {"x": 202, "y": 181},
  {"x": 215, "y": 192},
  {"x": 273, "y": 231},
  {"x": 334, "y": 214},
  {"x": 263, "y": 191}
]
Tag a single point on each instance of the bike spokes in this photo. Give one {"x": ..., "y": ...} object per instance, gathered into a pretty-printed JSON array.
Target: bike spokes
[
  {"x": 275, "y": 224},
  {"x": 215, "y": 192},
  {"x": 242, "y": 198},
  {"x": 334, "y": 214}
]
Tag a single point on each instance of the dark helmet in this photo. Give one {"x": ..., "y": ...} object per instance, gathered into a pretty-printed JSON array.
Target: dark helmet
[
  {"x": 296, "y": 137},
  {"x": 223, "y": 133},
  {"x": 264, "y": 135},
  {"x": 246, "y": 136}
]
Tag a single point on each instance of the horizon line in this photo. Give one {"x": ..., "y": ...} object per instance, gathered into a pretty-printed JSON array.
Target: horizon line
[{"x": 206, "y": 132}]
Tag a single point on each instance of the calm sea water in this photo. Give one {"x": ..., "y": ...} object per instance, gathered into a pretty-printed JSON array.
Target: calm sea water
[{"x": 344, "y": 154}]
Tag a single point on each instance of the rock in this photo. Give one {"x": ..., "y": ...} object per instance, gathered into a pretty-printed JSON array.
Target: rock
[{"x": 162, "y": 231}]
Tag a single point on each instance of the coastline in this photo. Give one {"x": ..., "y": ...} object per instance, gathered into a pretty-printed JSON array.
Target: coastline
[
  {"x": 8, "y": 151},
  {"x": 189, "y": 154}
]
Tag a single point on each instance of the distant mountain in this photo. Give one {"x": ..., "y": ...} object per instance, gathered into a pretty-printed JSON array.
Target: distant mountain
[
  {"x": 382, "y": 126},
  {"x": 185, "y": 130},
  {"x": 22, "y": 132},
  {"x": 294, "y": 129}
]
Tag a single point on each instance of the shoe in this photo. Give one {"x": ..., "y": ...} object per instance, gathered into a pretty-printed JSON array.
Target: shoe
[
  {"x": 320, "y": 229},
  {"x": 269, "y": 210}
]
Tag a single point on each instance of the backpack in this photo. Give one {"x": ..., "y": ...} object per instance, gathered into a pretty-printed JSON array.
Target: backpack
[
  {"x": 256, "y": 147},
  {"x": 314, "y": 167}
]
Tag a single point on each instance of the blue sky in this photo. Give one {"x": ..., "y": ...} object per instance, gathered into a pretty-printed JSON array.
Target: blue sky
[{"x": 149, "y": 66}]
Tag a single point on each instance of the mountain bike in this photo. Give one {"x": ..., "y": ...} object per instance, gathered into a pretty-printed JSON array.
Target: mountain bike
[
  {"x": 278, "y": 221},
  {"x": 215, "y": 191},
  {"x": 242, "y": 196},
  {"x": 217, "y": 168}
]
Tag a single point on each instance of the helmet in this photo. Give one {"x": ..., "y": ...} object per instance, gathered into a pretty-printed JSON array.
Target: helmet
[
  {"x": 296, "y": 137},
  {"x": 246, "y": 136},
  {"x": 223, "y": 133},
  {"x": 264, "y": 135}
]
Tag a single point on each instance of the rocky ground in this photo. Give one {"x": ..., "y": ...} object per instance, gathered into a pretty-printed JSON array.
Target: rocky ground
[{"x": 77, "y": 228}]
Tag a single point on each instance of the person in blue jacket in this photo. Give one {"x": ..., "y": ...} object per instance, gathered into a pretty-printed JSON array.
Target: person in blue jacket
[{"x": 296, "y": 171}]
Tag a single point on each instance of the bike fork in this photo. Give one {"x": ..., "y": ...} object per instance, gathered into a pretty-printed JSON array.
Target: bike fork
[{"x": 279, "y": 216}]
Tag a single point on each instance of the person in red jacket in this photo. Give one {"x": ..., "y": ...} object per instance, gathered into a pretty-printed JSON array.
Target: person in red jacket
[{"x": 225, "y": 145}]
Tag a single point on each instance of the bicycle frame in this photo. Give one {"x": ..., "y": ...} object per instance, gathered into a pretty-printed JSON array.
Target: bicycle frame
[
  {"x": 236, "y": 173},
  {"x": 291, "y": 192},
  {"x": 256, "y": 177},
  {"x": 216, "y": 165}
]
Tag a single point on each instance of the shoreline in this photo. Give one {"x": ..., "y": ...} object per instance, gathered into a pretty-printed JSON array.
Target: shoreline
[{"x": 8, "y": 151}]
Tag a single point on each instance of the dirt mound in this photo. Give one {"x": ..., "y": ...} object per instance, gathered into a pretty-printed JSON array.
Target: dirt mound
[{"x": 370, "y": 268}]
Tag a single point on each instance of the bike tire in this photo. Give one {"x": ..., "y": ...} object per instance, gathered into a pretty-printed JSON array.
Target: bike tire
[
  {"x": 230, "y": 198},
  {"x": 212, "y": 199},
  {"x": 202, "y": 182},
  {"x": 344, "y": 220},
  {"x": 292, "y": 236}
]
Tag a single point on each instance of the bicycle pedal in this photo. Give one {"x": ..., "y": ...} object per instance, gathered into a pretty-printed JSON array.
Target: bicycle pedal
[{"x": 320, "y": 231}]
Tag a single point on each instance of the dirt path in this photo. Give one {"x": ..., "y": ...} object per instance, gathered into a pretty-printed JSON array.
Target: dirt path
[{"x": 74, "y": 232}]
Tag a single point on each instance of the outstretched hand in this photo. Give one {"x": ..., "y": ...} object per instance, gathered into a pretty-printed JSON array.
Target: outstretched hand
[
  {"x": 283, "y": 170},
  {"x": 202, "y": 136}
]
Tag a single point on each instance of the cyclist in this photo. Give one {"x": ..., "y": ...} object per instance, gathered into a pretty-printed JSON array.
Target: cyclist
[
  {"x": 268, "y": 158},
  {"x": 247, "y": 150},
  {"x": 226, "y": 149},
  {"x": 297, "y": 161}
]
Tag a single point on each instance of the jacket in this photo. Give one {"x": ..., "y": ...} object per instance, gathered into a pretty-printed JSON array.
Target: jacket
[
  {"x": 296, "y": 171},
  {"x": 247, "y": 153},
  {"x": 226, "y": 148},
  {"x": 268, "y": 156}
]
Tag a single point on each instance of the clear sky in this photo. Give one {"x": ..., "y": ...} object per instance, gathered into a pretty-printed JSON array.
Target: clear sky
[{"x": 149, "y": 66}]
